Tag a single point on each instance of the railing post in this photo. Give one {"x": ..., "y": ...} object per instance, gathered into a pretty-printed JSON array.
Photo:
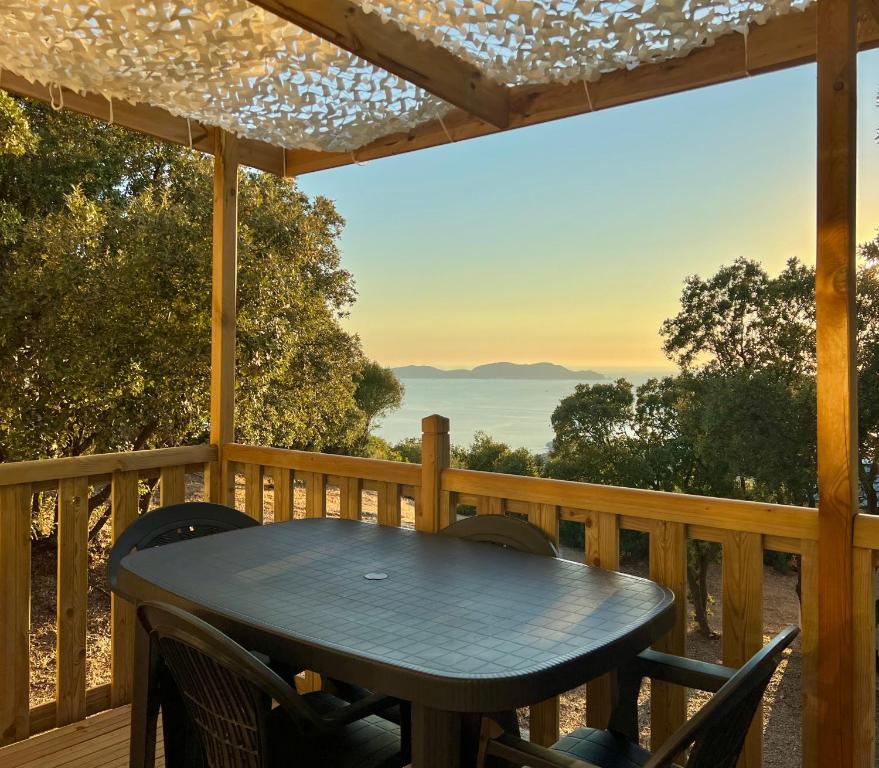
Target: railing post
[
  {"x": 436, "y": 455},
  {"x": 836, "y": 47},
  {"x": 220, "y": 484}
]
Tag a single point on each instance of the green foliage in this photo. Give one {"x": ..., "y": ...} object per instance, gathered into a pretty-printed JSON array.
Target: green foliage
[
  {"x": 487, "y": 455},
  {"x": 409, "y": 450},
  {"x": 105, "y": 252},
  {"x": 378, "y": 392}
]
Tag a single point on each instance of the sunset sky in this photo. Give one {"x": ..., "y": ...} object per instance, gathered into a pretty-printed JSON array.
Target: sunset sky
[{"x": 569, "y": 241}]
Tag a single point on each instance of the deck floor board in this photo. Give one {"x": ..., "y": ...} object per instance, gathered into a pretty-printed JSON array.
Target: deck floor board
[{"x": 100, "y": 741}]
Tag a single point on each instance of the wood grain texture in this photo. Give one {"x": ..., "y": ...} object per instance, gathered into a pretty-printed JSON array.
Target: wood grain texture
[
  {"x": 351, "y": 498},
  {"x": 15, "y": 596},
  {"x": 124, "y": 497},
  {"x": 326, "y": 463},
  {"x": 389, "y": 497},
  {"x": 809, "y": 651},
  {"x": 435, "y": 459},
  {"x": 837, "y": 374},
  {"x": 368, "y": 36},
  {"x": 742, "y": 586},
  {"x": 282, "y": 481},
  {"x": 152, "y": 121},
  {"x": 172, "y": 486},
  {"x": 253, "y": 491},
  {"x": 602, "y": 544},
  {"x": 72, "y": 587},
  {"x": 729, "y": 514},
  {"x": 315, "y": 493},
  {"x": 668, "y": 566},
  {"x": 784, "y": 41},
  {"x": 224, "y": 279},
  {"x": 544, "y": 722},
  {"x": 100, "y": 464},
  {"x": 864, "y": 690}
]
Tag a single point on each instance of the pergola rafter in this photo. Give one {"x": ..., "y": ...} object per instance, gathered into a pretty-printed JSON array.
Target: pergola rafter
[{"x": 434, "y": 69}]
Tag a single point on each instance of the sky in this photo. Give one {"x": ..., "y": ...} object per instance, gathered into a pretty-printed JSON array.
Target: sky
[{"x": 569, "y": 242}]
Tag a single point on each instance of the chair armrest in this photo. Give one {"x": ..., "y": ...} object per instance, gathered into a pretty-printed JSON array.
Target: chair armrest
[
  {"x": 494, "y": 741},
  {"x": 684, "y": 672},
  {"x": 373, "y": 704},
  {"x": 523, "y": 753}
]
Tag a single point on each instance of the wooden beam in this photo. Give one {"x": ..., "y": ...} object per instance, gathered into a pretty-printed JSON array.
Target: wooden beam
[
  {"x": 152, "y": 121},
  {"x": 435, "y": 457},
  {"x": 223, "y": 308},
  {"x": 837, "y": 376},
  {"x": 782, "y": 42},
  {"x": 386, "y": 45}
]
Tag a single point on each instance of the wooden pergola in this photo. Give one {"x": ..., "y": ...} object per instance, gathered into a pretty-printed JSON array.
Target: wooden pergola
[{"x": 829, "y": 32}]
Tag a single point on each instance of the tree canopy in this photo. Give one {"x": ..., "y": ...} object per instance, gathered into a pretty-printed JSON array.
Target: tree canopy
[{"x": 105, "y": 253}]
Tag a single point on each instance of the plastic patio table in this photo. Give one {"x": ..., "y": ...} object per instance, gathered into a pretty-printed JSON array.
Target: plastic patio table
[{"x": 453, "y": 626}]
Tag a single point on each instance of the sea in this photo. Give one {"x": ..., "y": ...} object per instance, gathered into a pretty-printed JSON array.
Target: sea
[{"x": 516, "y": 412}]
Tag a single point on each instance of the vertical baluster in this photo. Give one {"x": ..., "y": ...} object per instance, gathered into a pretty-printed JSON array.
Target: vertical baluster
[
  {"x": 389, "y": 504},
  {"x": 743, "y": 619},
  {"x": 494, "y": 506},
  {"x": 602, "y": 551},
  {"x": 172, "y": 485},
  {"x": 73, "y": 520},
  {"x": 668, "y": 566},
  {"x": 15, "y": 596},
  {"x": 315, "y": 494},
  {"x": 124, "y": 512},
  {"x": 253, "y": 491},
  {"x": 350, "y": 498},
  {"x": 283, "y": 482}
]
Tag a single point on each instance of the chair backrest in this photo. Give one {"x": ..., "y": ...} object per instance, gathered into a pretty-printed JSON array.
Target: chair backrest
[
  {"x": 176, "y": 522},
  {"x": 503, "y": 531},
  {"x": 227, "y": 692},
  {"x": 716, "y": 734}
]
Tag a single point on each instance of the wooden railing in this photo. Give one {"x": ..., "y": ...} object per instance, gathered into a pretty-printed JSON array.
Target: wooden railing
[
  {"x": 307, "y": 484},
  {"x": 71, "y": 479}
]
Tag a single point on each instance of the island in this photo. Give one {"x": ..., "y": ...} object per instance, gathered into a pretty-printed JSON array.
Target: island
[{"x": 529, "y": 371}]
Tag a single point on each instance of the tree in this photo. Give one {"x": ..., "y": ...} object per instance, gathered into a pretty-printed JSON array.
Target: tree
[
  {"x": 105, "y": 299},
  {"x": 487, "y": 455},
  {"x": 378, "y": 392}
]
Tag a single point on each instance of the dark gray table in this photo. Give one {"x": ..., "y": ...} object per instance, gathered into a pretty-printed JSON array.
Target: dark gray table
[{"x": 455, "y": 627}]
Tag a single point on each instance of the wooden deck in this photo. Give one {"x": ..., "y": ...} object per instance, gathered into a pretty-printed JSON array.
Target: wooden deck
[{"x": 100, "y": 741}]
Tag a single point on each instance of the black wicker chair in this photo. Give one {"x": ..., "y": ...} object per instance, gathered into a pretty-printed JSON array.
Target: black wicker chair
[
  {"x": 504, "y": 532},
  {"x": 228, "y": 694},
  {"x": 180, "y": 522},
  {"x": 712, "y": 738}
]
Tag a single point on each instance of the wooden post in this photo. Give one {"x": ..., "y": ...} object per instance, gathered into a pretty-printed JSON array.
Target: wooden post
[
  {"x": 837, "y": 376},
  {"x": 224, "y": 277},
  {"x": 435, "y": 457}
]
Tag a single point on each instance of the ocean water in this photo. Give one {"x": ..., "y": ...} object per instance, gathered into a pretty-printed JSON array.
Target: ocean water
[{"x": 515, "y": 412}]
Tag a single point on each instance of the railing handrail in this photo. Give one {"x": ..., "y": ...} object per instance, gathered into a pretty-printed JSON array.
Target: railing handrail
[
  {"x": 730, "y": 514},
  {"x": 42, "y": 470},
  {"x": 377, "y": 470}
]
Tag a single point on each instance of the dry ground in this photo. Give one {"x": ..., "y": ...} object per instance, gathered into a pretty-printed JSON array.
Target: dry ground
[{"x": 781, "y": 718}]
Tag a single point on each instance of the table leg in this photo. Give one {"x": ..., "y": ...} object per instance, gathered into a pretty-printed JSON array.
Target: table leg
[
  {"x": 144, "y": 702},
  {"x": 436, "y": 738}
]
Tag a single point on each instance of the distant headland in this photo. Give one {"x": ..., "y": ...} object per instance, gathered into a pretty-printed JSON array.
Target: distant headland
[{"x": 533, "y": 371}]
